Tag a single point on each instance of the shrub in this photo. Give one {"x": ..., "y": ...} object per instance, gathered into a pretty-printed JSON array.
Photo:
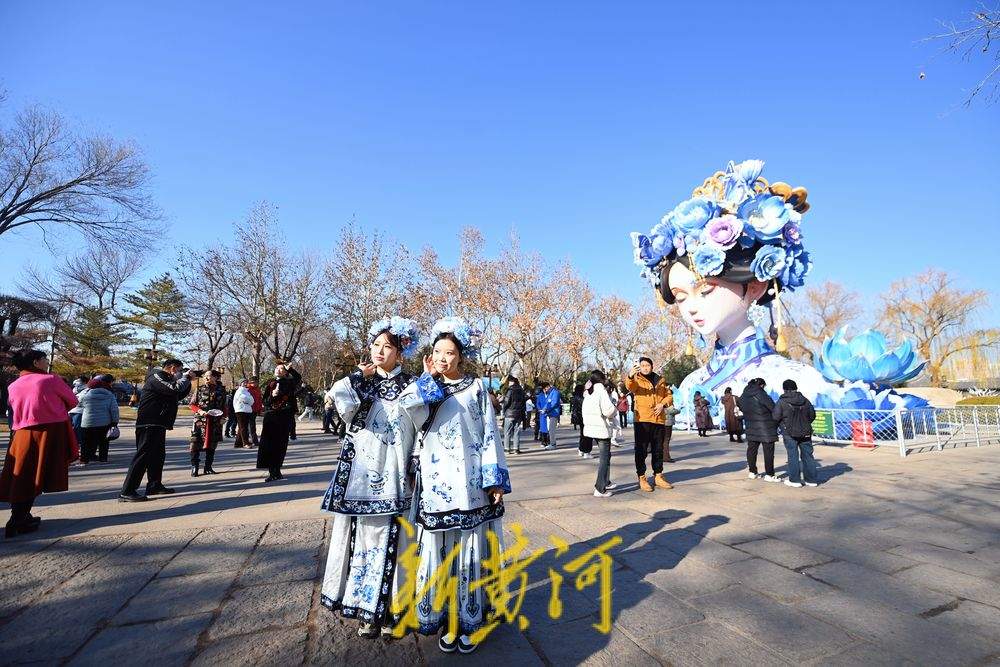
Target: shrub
[{"x": 980, "y": 400}]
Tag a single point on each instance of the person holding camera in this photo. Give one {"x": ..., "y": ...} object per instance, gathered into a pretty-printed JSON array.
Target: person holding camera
[
  {"x": 279, "y": 417},
  {"x": 162, "y": 391},
  {"x": 209, "y": 408},
  {"x": 651, "y": 396}
]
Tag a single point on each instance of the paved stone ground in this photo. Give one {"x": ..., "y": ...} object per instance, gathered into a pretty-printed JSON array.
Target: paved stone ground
[{"x": 889, "y": 561}]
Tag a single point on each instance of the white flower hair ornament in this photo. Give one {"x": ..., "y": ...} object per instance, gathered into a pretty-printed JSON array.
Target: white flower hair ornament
[
  {"x": 469, "y": 337},
  {"x": 402, "y": 328}
]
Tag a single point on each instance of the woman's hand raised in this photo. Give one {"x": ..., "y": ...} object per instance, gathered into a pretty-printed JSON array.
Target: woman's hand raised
[{"x": 429, "y": 366}]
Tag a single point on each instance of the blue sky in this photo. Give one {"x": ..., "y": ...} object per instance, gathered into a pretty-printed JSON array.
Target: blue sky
[{"x": 572, "y": 123}]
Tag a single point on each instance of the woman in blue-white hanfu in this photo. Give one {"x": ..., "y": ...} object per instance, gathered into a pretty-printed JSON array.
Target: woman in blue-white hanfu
[
  {"x": 463, "y": 477},
  {"x": 370, "y": 488}
]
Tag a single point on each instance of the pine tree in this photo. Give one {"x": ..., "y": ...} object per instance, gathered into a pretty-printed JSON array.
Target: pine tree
[
  {"x": 157, "y": 313},
  {"x": 91, "y": 342}
]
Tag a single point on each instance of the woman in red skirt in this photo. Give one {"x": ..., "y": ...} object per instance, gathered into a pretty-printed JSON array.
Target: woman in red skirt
[{"x": 43, "y": 445}]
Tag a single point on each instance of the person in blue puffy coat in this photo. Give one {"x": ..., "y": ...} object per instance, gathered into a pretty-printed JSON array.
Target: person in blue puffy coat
[{"x": 100, "y": 413}]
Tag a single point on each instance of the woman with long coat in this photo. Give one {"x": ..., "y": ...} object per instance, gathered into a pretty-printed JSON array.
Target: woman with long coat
[
  {"x": 702, "y": 416},
  {"x": 734, "y": 422},
  {"x": 279, "y": 411},
  {"x": 43, "y": 444},
  {"x": 599, "y": 412}
]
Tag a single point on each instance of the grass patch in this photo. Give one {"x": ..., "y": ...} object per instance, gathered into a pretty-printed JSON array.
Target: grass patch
[{"x": 980, "y": 400}]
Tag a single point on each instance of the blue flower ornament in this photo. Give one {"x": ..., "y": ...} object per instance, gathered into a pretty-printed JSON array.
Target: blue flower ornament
[
  {"x": 467, "y": 335},
  {"x": 733, "y": 212},
  {"x": 406, "y": 330}
]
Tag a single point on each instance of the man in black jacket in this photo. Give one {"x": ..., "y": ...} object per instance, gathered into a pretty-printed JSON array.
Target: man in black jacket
[
  {"x": 795, "y": 415},
  {"x": 157, "y": 411},
  {"x": 513, "y": 415},
  {"x": 761, "y": 428}
]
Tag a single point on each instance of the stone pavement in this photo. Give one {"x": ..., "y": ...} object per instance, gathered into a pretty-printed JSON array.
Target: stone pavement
[{"x": 889, "y": 561}]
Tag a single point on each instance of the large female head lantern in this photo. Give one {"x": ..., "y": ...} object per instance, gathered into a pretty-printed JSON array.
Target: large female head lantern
[{"x": 722, "y": 256}]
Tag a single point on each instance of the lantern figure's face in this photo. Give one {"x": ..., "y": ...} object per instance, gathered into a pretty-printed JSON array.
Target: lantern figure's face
[{"x": 714, "y": 305}]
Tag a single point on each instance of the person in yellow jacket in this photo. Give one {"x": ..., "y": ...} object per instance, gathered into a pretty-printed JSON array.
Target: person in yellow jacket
[{"x": 651, "y": 398}]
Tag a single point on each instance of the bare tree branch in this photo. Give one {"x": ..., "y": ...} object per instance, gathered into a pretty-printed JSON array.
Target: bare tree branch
[
  {"x": 971, "y": 38},
  {"x": 96, "y": 185}
]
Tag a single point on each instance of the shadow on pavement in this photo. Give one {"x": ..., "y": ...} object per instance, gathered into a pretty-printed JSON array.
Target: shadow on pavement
[{"x": 637, "y": 605}]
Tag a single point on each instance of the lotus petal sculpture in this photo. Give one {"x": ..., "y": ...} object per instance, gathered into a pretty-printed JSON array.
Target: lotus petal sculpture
[{"x": 866, "y": 358}]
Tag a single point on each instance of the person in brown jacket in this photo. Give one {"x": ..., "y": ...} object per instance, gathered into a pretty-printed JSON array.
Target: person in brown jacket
[
  {"x": 734, "y": 421},
  {"x": 651, "y": 397}
]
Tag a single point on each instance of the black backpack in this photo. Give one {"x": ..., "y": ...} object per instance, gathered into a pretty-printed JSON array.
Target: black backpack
[{"x": 797, "y": 424}]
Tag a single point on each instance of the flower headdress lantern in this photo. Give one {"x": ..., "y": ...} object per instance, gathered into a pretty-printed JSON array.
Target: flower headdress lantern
[
  {"x": 402, "y": 328},
  {"x": 736, "y": 226},
  {"x": 468, "y": 337}
]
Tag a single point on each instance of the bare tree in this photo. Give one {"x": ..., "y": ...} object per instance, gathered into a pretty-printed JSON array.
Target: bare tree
[
  {"x": 817, "y": 315},
  {"x": 95, "y": 277},
  {"x": 365, "y": 280},
  {"x": 620, "y": 332},
  {"x": 50, "y": 177},
  {"x": 209, "y": 322},
  {"x": 971, "y": 37},
  {"x": 930, "y": 309},
  {"x": 266, "y": 293}
]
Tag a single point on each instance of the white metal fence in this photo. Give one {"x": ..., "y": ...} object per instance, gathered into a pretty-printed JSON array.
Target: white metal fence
[{"x": 919, "y": 430}]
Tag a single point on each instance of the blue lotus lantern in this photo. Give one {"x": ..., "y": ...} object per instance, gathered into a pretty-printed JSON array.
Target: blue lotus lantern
[{"x": 866, "y": 358}]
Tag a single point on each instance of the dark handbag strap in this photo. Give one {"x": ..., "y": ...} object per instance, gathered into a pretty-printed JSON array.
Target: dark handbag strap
[{"x": 417, "y": 486}]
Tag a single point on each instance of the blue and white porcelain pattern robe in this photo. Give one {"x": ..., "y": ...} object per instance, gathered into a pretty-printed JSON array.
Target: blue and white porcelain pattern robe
[
  {"x": 461, "y": 454},
  {"x": 371, "y": 475},
  {"x": 735, "y": 365},
  {"x": 458, "y": 457},
  {"x": 367, "y": 493}
]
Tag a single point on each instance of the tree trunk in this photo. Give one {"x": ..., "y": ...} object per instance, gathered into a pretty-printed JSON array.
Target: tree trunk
[
  {"x": 52, "y": 347},
  {"x": 257, "y": 361}
]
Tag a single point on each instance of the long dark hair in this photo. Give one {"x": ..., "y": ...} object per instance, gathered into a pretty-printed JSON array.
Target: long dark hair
[{"x": 597, "y": 377}]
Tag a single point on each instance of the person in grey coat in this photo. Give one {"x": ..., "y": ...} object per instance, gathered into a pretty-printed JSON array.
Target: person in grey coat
[{"x": 99, "y": 413}]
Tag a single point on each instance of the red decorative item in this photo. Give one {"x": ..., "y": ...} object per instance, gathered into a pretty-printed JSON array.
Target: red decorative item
[{"x": 861, "y": 434}]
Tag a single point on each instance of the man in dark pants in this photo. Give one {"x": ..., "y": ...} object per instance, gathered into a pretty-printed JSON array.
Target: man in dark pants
[
  {"x": 650, "y": 397},
  {"x": 513, "y": 415},
  {"x": 258, "y": 407},
  {"x": 761, "y": 428},
  {"x": 795, "y": 415},
  {"x": 206, "y": 432},
  {"x": 537, "y": 393},
  {"x": 157, "y": 411},
  {"x": 230, "y": 431}
]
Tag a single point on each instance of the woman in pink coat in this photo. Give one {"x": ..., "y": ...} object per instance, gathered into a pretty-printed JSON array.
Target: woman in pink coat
[{"x": 43, "y": 445}]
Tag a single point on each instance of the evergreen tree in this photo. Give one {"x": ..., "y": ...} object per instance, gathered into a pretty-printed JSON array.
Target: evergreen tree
[
  {"x": 157, "y": 313},
  {"x": 91, "y": 342},
  {"x": 678, "y": 368}
]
